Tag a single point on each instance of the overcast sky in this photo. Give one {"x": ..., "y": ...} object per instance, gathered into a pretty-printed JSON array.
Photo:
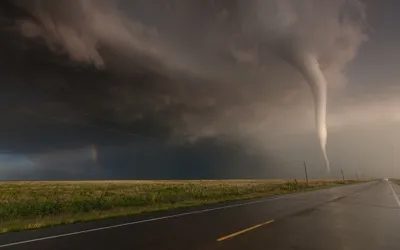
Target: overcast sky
[{"x": 195, "y": 89}]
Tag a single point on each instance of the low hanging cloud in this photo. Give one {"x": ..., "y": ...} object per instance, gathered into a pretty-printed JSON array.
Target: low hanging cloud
[{"x": 176, "y": 69}]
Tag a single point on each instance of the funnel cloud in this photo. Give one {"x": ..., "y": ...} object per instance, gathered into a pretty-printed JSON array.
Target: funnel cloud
[
  {"x": 180, "y": 72},
  {"x": 308, "y": 65}
]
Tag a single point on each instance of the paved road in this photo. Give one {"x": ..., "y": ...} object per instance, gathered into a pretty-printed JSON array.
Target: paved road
[{"x": 364, "y": 216}]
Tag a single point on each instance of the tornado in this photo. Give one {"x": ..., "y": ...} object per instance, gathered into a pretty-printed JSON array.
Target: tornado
[{"x": 307, "y": 64}]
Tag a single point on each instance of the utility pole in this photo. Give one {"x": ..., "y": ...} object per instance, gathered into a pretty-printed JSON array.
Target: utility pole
[
  {"x": 305, "y": 171},
  {"x": 341, "y": 170},
  {"x": 357, "y": 175}
]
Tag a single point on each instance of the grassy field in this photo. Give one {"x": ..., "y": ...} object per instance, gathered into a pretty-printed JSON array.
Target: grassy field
[
  {"x": 396, "y": 181},
  {"x": 28, "y": 205}
]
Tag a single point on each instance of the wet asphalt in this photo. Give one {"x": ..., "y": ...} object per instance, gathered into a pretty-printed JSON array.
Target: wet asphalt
[{"x": 362, "y": 216}]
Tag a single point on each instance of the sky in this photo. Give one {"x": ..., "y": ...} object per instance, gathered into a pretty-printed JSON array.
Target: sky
[{"x": 195, "y": 89}]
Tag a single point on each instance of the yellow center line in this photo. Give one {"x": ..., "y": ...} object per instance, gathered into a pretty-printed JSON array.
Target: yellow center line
[{"x": 244, "y": 230}]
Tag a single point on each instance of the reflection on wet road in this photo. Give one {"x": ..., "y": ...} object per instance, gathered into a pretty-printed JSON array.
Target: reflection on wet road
[
  {"x": 363, "y": 216},
  {"x": 368, "y": 219}
]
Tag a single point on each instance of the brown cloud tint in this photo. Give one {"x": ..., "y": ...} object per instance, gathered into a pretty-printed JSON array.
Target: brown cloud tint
[
  {"x": 202, "y": 67},
  {"x": 171, "y": 69}
]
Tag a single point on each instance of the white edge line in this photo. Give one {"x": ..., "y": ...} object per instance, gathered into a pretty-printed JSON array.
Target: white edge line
[
  {"x": 395, "y": 195},
  {"x": 159, "y": 218},
  {"x": 140, "y": 221}
]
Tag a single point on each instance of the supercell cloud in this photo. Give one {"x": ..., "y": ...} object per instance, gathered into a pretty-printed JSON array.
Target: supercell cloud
[{"x": 177, "y": 71}]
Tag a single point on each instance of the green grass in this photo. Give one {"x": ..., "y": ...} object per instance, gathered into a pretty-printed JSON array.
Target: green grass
[
  {"x": 396, "y": 181},
  {"x": 28, "y": 205}
]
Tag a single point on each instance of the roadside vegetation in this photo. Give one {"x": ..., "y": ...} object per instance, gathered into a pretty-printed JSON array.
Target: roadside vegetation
[
  {"x": 396, "y": 181},
  {"x": 28, "y": 205}
]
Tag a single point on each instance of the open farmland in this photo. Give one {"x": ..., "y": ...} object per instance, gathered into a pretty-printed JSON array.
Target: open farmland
[{"x": 28, "y": 205}]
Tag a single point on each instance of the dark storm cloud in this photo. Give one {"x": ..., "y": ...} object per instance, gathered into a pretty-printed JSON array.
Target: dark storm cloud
[
  {"x": 206, "y": 159},
  {"x": 216, "y": 71},
  {"x": 75, "y": 73}
]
